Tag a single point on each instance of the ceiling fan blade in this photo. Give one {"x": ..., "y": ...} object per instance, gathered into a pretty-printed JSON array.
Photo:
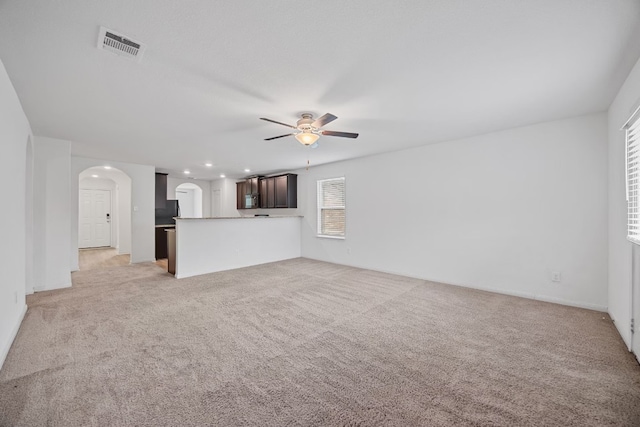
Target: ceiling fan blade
[
  {"x": 279, "y": 123},
  {"x": 321, "y": 121},
  {"x": 276, "y": 137},
  {"x": 342, "y": 134}
]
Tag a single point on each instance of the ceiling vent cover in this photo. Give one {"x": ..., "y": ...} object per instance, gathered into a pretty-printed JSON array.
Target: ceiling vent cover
[{"x": 120, "y": 44}]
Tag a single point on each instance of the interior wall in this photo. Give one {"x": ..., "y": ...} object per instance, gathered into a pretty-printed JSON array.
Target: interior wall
[
  {"x": 173, "y": 183},
  {"x": 621, "y": 109},
  {"x": 142, "y": 207},
  {"x": 227, "y": 189},
  {"x": 51, "y": 219},
  {"x": 14, "y": 134},
  {"x": 499, "y": 212}
]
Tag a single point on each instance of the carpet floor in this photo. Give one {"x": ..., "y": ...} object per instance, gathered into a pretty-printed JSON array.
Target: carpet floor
[
  {"x": 96, "y": 258},
  {"x": 306, "y": 343}
]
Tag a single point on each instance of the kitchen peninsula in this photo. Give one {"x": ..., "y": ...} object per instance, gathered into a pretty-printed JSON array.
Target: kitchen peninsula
[{"x": 207, "y": 245}]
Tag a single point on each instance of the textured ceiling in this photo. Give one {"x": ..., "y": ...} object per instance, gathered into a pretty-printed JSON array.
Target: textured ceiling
[{"x": 401, "y": 73}]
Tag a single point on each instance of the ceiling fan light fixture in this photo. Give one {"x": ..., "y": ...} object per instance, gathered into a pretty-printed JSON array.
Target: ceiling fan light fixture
[{"x": 307, "y": 138}]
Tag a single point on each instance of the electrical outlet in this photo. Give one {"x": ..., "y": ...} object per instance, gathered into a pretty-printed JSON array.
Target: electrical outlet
[
  {"x": 556, "y": 276},
  {"x": 349, "y": 251}
]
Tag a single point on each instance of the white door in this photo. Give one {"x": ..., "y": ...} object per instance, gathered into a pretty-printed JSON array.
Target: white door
[
  {"x": 95, "y": 219},
  {"x": 216, "y": 203}
]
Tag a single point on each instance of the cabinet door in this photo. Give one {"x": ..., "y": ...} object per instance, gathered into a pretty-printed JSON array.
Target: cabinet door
[
  {"x": 263, "y": 193},
  {"x": 281, "y": 191},
  {"x": 271, "y": 193},
  {"x": 239, "y": 195},
  {"x": 161, "y": 191}
]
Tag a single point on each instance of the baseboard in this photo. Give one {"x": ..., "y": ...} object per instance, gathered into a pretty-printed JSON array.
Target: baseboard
[
  {"x": 526, "y": 295},
  {"x": 12, "y": 336},
  {"x": 623, "y": 337},
  {"x": 54, "y": 287}
]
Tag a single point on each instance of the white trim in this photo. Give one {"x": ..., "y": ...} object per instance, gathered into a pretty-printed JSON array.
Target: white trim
[
  {"x": 632, "y": 118},
  {"x": 12, "y": 336},
  {"x": 326, "y": 236}
]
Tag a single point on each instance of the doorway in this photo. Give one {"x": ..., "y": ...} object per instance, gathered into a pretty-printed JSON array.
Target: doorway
[
  {"x": 104, "y": 218},
  {"x": 190, "y": 200}
]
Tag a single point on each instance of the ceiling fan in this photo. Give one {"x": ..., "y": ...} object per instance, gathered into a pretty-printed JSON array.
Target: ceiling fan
[{"x": 308, "y": 129}]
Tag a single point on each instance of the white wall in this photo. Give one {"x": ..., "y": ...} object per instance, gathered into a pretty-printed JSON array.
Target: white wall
[
  {"x": 499, "y": 212},
  {"x": 142, "y": 207},
  {"x": 625, "y": 103},
  {"x": 210, "y": 245},
  {"x": 51, "y": 219},
  {"x": 14, "y": 133},
  {"x": 227, "y": 189},
  {"x": 205, "y": 186}
]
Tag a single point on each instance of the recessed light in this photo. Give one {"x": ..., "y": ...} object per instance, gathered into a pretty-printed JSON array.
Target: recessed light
[
  {"x": 247, "y": 170},
  {"x": 107, "y": 167},
  {"x": 222, "y": 176},
  {"x": 94, "y": 176},
  {"x": 208, "y": 164},
  {"x": 187, "y": 172}
]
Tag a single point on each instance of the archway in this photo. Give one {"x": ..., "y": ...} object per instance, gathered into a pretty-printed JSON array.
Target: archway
[
  {"x": 189, "y": 197},
  {"x": 104, "y": 217}
]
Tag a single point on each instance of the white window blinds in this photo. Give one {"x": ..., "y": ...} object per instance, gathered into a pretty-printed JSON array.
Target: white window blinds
[
  {"x": 331, "y": 208},
  {"x": 633, "y": 143}
]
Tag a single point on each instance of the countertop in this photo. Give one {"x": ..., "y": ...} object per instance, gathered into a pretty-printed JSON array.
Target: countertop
[
  {"x": 240, "y": 217},
  {"x": 165, "y": 225}
]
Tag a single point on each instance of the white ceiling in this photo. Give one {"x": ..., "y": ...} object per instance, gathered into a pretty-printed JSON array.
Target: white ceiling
[{"x": 401, "y": 73}]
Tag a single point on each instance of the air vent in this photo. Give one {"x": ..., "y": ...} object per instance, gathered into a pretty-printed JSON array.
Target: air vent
[{"x": 120, "y": 44}]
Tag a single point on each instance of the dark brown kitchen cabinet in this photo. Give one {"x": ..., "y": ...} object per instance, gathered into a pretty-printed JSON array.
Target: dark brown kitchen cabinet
[
  {"x": 267, "y": 193},
  {"x": 271, "y": 193},
  {"x": 161, "y": 190},
  {"x": 286, "y": 191},
  {"x": 240, "y": 195},
  {"x": 263, "y": 193},
  {"x": 161, "y": 242},
  {"x": 251, "y": 186}
]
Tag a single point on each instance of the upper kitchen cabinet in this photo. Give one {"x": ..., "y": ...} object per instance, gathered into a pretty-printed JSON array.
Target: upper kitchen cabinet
[
  {"x": 251, "y": 186},
  {"x": 161, "y": 190},
  {"x": 274, "y": 192},
  {"x": 268, "y": 192},
  {"x": 285, "y": 191},
  {"x": 240, "y": 193}
]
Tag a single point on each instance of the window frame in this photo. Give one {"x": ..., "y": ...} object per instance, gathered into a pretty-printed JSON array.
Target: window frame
[
  {"x": 632, "y": 124},
  {"x": 319, "y": 208}
]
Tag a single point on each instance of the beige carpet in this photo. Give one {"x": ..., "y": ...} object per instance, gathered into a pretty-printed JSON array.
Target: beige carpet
[
  {"x": 95, "y": 258},
  {"x": 303, "y": 342}
]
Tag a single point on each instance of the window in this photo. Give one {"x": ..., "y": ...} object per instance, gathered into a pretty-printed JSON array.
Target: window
[
  {"x": 331, "y": 209},
  {"x": 633, "y": 144}
]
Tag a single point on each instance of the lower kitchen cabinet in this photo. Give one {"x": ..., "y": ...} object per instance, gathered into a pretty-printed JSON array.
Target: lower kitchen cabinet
[{"x": 161, "y": 242}]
